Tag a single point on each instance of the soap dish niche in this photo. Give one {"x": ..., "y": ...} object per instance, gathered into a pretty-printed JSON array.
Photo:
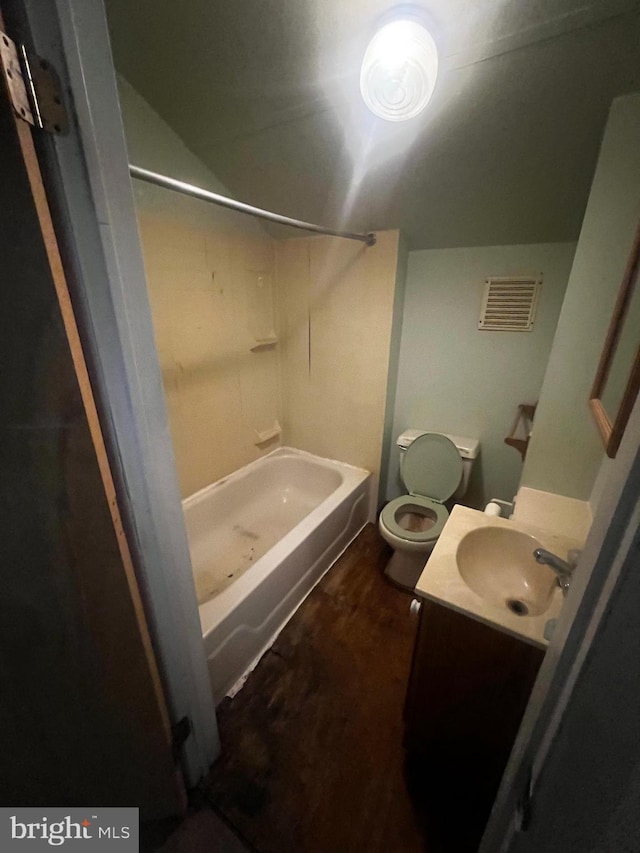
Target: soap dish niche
[{"x": 264, "y": 344}]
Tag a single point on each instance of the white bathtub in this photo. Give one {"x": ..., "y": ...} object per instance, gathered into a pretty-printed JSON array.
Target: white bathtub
[{"x": 260, "y": 539}]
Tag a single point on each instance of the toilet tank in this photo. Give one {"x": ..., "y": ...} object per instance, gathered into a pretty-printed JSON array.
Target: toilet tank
[{"x": 468, "y": 448}]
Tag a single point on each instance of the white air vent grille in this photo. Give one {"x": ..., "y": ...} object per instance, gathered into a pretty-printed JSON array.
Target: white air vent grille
[{"x": 509, "y": 304}]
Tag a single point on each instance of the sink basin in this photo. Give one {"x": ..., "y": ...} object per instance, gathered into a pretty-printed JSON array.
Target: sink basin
[{"x": 497, "y": 563}]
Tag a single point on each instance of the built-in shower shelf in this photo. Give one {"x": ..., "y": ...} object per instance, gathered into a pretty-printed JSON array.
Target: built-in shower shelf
[
  {"x": 268, "y": 434},
  {"x": 266, "y": 344}
]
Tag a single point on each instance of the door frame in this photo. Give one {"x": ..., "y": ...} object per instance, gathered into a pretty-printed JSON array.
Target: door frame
[
  {"x": 605, "y": 559},
  {"x": 89, "y": 191},
  {"x": 99, "y": 225}
]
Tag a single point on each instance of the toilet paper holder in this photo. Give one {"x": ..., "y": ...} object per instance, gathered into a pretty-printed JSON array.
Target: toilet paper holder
[
  {"x": 521, "y": 429},
  {"x": 498, "y": 508}
]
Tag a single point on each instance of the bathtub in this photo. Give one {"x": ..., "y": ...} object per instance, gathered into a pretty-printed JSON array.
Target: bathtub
[{"x": 260, "y": 539}]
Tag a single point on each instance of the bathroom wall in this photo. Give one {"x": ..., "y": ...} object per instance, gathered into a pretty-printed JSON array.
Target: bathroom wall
[
  {"x": 211, "y": 288},
  {"x": 566, "y": 451},
  {"x": 454, "y": 378},
  {"x": 336, "y": 312}
]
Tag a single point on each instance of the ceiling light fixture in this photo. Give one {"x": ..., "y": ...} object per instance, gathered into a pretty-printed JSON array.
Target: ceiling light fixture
[{"x": 399, "y": 70}]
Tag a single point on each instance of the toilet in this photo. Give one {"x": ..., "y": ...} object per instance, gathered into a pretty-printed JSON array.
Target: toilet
[{"x": 435, "y": 468}]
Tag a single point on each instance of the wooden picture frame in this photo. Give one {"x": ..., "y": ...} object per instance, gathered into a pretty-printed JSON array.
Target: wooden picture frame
[{"x": 612, "y": 425}]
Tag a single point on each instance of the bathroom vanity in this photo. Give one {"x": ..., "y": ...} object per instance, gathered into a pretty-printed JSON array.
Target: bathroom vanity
[
  {"x": 468, "y": 688},
  {"x": 487, "y": 612}
]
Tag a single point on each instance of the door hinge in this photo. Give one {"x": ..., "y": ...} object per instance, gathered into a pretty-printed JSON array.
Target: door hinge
[
  {"x": 33, "y": 86},
  {"x": 180, "y": 731}
]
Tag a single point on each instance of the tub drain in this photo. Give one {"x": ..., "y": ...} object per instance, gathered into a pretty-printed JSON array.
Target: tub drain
[{"x": 518, "y": 607}]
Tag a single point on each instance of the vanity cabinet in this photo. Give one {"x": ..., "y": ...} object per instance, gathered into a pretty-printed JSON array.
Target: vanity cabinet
[{"x": 468, "y": 688}]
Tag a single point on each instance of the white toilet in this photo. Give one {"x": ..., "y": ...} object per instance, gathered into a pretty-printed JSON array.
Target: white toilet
[{"x": 434, "y": 468}]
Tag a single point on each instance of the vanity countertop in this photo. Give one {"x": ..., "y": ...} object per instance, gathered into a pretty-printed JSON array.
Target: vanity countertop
[{"x": 442, "y": 582}]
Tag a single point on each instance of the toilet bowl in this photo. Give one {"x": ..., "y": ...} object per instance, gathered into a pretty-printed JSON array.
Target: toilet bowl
[{"x": 434, "y": 468}]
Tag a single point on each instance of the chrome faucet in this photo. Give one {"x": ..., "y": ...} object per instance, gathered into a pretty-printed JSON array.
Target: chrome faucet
[{"x": 562, "y": 568}]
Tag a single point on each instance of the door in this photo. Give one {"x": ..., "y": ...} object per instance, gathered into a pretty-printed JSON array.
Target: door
[{"x": 82, "y": 714}]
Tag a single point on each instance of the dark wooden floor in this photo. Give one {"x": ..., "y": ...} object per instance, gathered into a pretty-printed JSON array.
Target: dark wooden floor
[{"x": 312, "y": 756}]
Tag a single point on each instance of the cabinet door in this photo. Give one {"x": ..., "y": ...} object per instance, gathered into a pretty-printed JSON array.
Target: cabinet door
[{"x": 468, "y": 688}]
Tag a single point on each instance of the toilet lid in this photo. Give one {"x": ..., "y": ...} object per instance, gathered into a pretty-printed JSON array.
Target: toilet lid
[{"x": 432, "y": 467}]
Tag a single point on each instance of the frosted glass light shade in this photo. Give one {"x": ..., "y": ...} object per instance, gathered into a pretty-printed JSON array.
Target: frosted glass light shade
[{"x": 399, "y": 70}]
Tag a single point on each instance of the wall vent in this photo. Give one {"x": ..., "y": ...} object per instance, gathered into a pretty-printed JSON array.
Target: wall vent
[{"x": 509, "y": 304}]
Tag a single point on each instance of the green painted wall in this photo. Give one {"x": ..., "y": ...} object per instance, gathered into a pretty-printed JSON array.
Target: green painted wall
[
  {"x": 454, "y": 378},
  {"x": 566, "y": 452}
]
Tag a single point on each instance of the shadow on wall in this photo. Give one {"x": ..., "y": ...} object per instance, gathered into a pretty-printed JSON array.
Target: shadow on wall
[{"x": 476, "y": 496}]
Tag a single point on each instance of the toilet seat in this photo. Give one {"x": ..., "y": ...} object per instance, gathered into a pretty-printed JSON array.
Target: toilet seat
[
  {"x": 431, "y": 470},
  {"x": 391, "y": 510}
]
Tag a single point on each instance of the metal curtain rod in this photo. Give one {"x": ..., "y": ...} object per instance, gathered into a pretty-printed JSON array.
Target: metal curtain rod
[{"x": 232, "y": 204}]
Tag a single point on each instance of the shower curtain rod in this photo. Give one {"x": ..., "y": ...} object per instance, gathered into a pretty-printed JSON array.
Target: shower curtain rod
[{"x": 232, "y": 204}]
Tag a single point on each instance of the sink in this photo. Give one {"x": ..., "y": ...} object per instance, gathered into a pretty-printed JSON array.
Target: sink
[
  {"x": 497, "y": 563},
  {"x": 483, "y": 566}
]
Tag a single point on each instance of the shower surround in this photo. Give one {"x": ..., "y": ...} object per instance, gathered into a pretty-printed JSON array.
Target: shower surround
[{"x": 263, "y": 342}]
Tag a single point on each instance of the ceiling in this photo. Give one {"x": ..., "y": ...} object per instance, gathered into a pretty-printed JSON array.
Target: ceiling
[{"x": 266, "y": 93}]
